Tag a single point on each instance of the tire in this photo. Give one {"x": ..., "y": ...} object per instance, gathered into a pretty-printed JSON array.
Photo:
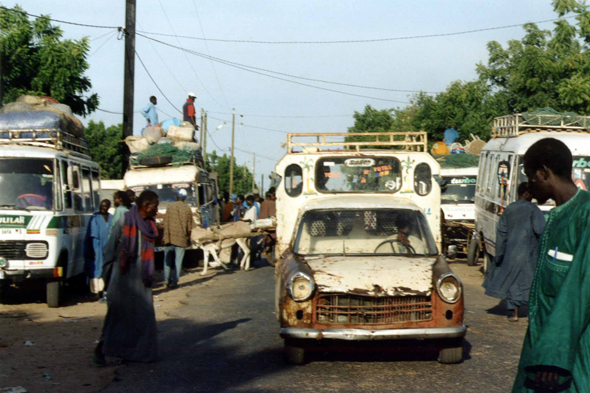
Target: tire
[
  {"x": 487, "y": 262},
  {"x": 269, "y": 254},
  {"x": 4, "y": 288},
  {"x": 53, "y": 289},
  {"x": 472, "y": 252},
  {"x": 293, "y": 355},
  {"x": 450, "y": 355}
]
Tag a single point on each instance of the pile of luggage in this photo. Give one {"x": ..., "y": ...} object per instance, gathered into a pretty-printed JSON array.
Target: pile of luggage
[
  {"x": 171, "y": 141},
  {"x": 40, "y": 113}
]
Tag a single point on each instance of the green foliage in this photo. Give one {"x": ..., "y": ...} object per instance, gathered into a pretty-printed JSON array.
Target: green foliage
[
  {"x": 36, "y": 60},
  {"x": 105, "y": 148},
  {"x": 242, "y": 176}
]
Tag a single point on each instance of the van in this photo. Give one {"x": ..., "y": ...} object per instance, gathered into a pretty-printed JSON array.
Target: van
[{"x": 501, "y": 168}]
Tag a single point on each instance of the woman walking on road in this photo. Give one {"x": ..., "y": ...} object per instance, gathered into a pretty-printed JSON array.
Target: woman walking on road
[{"x": 129, "y": 329}]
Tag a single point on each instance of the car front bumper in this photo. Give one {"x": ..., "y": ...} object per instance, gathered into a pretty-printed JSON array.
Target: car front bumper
[{"x": 369, "y": 335}]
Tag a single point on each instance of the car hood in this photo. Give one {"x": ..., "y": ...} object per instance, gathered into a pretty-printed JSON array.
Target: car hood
[{"x": 375, "y": 276}]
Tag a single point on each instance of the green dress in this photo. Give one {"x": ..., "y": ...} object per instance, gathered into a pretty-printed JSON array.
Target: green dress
[{"x": 559, "y": 310}]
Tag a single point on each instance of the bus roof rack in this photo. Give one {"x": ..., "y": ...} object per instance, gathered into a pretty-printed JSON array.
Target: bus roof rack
[
  {"x": 414, "y": 141},
  {"x": 522, "y": 123},
  {"x": 46, "y": 137}
]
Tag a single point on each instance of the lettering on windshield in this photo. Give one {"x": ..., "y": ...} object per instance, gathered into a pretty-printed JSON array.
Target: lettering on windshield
[
  {"x": 464, "y": 180},
  {"x": 359, "y": 162}
]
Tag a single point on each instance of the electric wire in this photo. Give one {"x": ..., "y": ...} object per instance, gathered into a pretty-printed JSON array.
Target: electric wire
[
  {"x": 114, "y": 34},
  {"x": 286, "y": 116},
  {"x": 57, "y": 20},
  {"x": 100, "y": 36},
  {"x": 249, "y": 126},
  {"x": 361, "y": 41},
  {"x": 235, "y": 65}
]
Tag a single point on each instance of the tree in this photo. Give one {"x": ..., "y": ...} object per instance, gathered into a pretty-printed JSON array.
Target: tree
[
  {"x": 242, "y": 176},
  {"x": 36, "y": 60},
  {"x": 105, "y": 148}
]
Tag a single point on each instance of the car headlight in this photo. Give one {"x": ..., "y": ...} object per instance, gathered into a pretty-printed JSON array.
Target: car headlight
[
  {"x": 3, "y": 263},
  {"x": 36, "y": 250},
  {"x": 449, "y": 288},
  {"x": 301, "y": 287}
]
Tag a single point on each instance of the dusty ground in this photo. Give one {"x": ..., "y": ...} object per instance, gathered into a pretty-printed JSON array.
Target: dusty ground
[{"x": 49, "y": 350}]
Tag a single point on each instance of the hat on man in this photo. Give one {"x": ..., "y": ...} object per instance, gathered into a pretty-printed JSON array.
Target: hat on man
[
  {"x": 182, "y": 194},
  {"x": 191, "y": 94}
]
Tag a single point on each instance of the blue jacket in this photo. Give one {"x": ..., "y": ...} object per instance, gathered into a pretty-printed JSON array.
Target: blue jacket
[{"x": 150, "y": 113}]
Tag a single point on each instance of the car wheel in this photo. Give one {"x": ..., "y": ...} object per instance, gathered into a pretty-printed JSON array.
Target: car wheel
[
  {"x": 450, "y": 355},
  {"x": 53, "y": 289},
  {"x": 472, "y": 252},
  {"x": 293, "y": 355},
  {"x": 487, "y": 262}
]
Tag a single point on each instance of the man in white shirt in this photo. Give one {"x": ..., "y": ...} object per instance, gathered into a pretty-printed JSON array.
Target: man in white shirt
[{"x": 250, "y": 217}]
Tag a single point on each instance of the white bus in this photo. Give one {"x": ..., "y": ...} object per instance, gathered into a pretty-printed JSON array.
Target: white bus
[
  {"x": 501, "y": 168},
  {"x": 50, "y": 189}
]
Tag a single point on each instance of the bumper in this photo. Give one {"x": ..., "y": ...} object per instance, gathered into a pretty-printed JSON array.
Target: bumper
[
  {"x": 362, "y": 334},
  {"x": 20, "y": 275}
]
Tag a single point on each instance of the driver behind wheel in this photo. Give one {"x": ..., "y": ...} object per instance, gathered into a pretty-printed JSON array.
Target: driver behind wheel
[{"x": 403, "y": 236}]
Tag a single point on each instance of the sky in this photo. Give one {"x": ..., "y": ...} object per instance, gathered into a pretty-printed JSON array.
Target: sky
[{"x": 268, "y": 108}]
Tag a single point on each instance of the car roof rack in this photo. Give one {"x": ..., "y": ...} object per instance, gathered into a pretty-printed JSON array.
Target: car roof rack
[
  {"x": 522, "y": 123},
  {"x": 308, "y": 142},
  {"x": 46, "y": 137}
]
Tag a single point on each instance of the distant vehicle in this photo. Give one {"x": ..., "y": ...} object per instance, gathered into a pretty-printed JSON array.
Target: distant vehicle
[
  {"x": 458, "y": 206},
  {"x": 167, "y": 180},
  {"x": 501, "y": 168},
  {"x": 108, "y": 189},
  {"x": 50, "y": 189}
]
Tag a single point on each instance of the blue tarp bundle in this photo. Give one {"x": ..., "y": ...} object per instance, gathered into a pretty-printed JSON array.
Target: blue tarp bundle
[{"x": 31, "y": 121}]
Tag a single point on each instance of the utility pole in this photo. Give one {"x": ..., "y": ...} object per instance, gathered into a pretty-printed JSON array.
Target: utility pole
[
  {"x": 201, "y": 129},
  {"x": 128, "y": 85},
  {"x": 1, "y": 81},
  {"x": 231, "y": 162},
  {"x": 261, "y": 185},
  {"x": 253, "y": 172},
  {"x": 205, "y": 140}
]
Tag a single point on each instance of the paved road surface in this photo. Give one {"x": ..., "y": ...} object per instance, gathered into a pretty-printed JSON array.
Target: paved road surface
[{"x": 226, "y": 339}]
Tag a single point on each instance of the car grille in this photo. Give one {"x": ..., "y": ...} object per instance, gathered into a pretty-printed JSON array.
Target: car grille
[
  {"x": 347, "y": 309},
  {"x": 12, "y": 249}
]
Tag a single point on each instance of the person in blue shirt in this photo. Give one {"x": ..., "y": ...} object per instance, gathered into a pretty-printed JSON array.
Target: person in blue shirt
[
  {"x": 451, "y": 135},
  {"x": 150, "y": 112}
]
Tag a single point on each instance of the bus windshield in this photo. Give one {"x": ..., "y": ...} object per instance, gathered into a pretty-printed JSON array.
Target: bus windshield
[
  {"x": 458, "y": 189},
  {"x": 364, "y": 174},
  {"x": 26, "y": 183},
  {"x": 167, "y": 193}
]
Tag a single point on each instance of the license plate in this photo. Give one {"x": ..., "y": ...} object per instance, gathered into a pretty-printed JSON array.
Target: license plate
[
  {"x": 1, "y": 275},
  {"x": 6, "y": 231}
]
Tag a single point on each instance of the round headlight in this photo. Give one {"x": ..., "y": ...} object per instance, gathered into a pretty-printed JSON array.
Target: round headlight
[
  {"x": 3, "y": 262},
  {"x": 301, "y": 287},
  {"x": 449, "y": 288}
]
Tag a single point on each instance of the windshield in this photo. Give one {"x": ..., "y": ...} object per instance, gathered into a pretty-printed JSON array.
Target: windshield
[
  {"x": 364, "y": 232},
  {"x": 366, "y": 174},
  {"x": 26, "y": 183},
  {"x": 167, "y": 193},
  {"x": 459, "y": 189}
]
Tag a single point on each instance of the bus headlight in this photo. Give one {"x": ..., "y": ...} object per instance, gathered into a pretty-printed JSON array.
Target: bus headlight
[
  {"x": 301, "y": 287},
  {"x": 3, "y": 263},
  {"x": 448, "y": 287}
]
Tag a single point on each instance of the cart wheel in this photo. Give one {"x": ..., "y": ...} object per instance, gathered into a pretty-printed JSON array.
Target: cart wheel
[
  {"x": 487, "y": 262},
  {"x": 472, "y": 252}
]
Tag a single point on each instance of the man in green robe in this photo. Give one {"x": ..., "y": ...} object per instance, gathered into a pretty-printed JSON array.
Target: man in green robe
[{"x": 556, "y": 351}]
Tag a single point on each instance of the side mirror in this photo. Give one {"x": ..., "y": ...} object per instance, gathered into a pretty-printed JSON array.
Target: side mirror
[{"x": 441, "y": 182}]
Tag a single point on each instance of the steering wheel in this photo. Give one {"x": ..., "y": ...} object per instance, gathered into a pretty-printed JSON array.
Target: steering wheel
[{"x": 391, "y": 241}]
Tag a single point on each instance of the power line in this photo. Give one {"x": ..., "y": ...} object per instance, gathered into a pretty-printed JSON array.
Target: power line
[
  {"x": 360, "y": 41},
  {"x": 286, "y": 116},
  {"x": 57, "y": 20},
  {"x": 249, "y": 126},
  {"x": 241, "y": 150},
  {"x": 242, "y": 67},
  {"x": 100, "y": 36},
  {"x": 114, "y": 34},
  {"x": 158, "y": 87}
]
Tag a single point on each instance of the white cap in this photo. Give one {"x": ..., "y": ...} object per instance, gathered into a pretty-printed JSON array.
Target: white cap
[
  {"x": 182, "y": 193},
  {"x": 191, "y": 94}
]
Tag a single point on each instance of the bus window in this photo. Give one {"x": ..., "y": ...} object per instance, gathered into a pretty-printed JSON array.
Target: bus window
[
  {"x": 503, "y": 174},
  {"x": 352, "y": 174},
  {"x": 76, "y": 186},
  {"x": 422, "y": 179},
  {"x": 66, "y": 187},
  {"x": 96, "y": 188},
  {"x": 489, "y": 176},
  {"x": 481, "y": 172},
  {"x": 87, "y": 189},
  {"x": 293, "y": 180},
  {"x": 57, "y": 190}
]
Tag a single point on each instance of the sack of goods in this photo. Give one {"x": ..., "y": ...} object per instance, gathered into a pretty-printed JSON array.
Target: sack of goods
[
  {"x": 153, "y": 134},
  {"x": 136, "y": 144},
  {"x": 233, "y": 230},
  {"x": 185, "y": 134},
  {"x": 51, "y": 115}
]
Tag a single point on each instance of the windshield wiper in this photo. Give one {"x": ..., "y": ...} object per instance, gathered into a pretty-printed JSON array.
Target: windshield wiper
[{"x": 13, "y": 207}]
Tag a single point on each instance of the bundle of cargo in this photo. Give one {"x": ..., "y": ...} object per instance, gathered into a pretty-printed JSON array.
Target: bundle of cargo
[{"x": 51, "y": 115}]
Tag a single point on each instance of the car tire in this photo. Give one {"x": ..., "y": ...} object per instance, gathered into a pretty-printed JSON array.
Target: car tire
[
  {"x": 53, "y": 290},
  {"x": 472, "y": 252},
  {"x": 293, "y": 355},
  {"x": 450, "y": 355},
  {"x": 487, "y": 262}
]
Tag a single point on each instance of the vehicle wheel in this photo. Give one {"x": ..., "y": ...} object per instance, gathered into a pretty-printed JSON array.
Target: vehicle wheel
[
  {"x": 293, "y": 355},
  {"x": 487, "y": 262},
  {"x": 450, "y": 355},
  {"x": 53, "y": 289},
  {"x": 472, "y": 252},
  {"x": 4, "y": 288},
  {"x": 269, "y": 254}
]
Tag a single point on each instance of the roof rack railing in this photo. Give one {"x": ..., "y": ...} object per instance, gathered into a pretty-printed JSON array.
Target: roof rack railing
[
  {"x": 414, "y": 141},
  {"x": 46, "y": 137},
  {"x": 521, "y": 123}
]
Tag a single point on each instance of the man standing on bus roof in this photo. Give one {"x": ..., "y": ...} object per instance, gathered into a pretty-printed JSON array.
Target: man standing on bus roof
[
  {"x": 150, "y": 112},
  {"x": 517, "y": 247},
  {"x": 555, "y": 354},
  {"x": 451, "y": 135},
  {"x": 188, "y": 110},
  {"x": 178, "y": 224}
]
